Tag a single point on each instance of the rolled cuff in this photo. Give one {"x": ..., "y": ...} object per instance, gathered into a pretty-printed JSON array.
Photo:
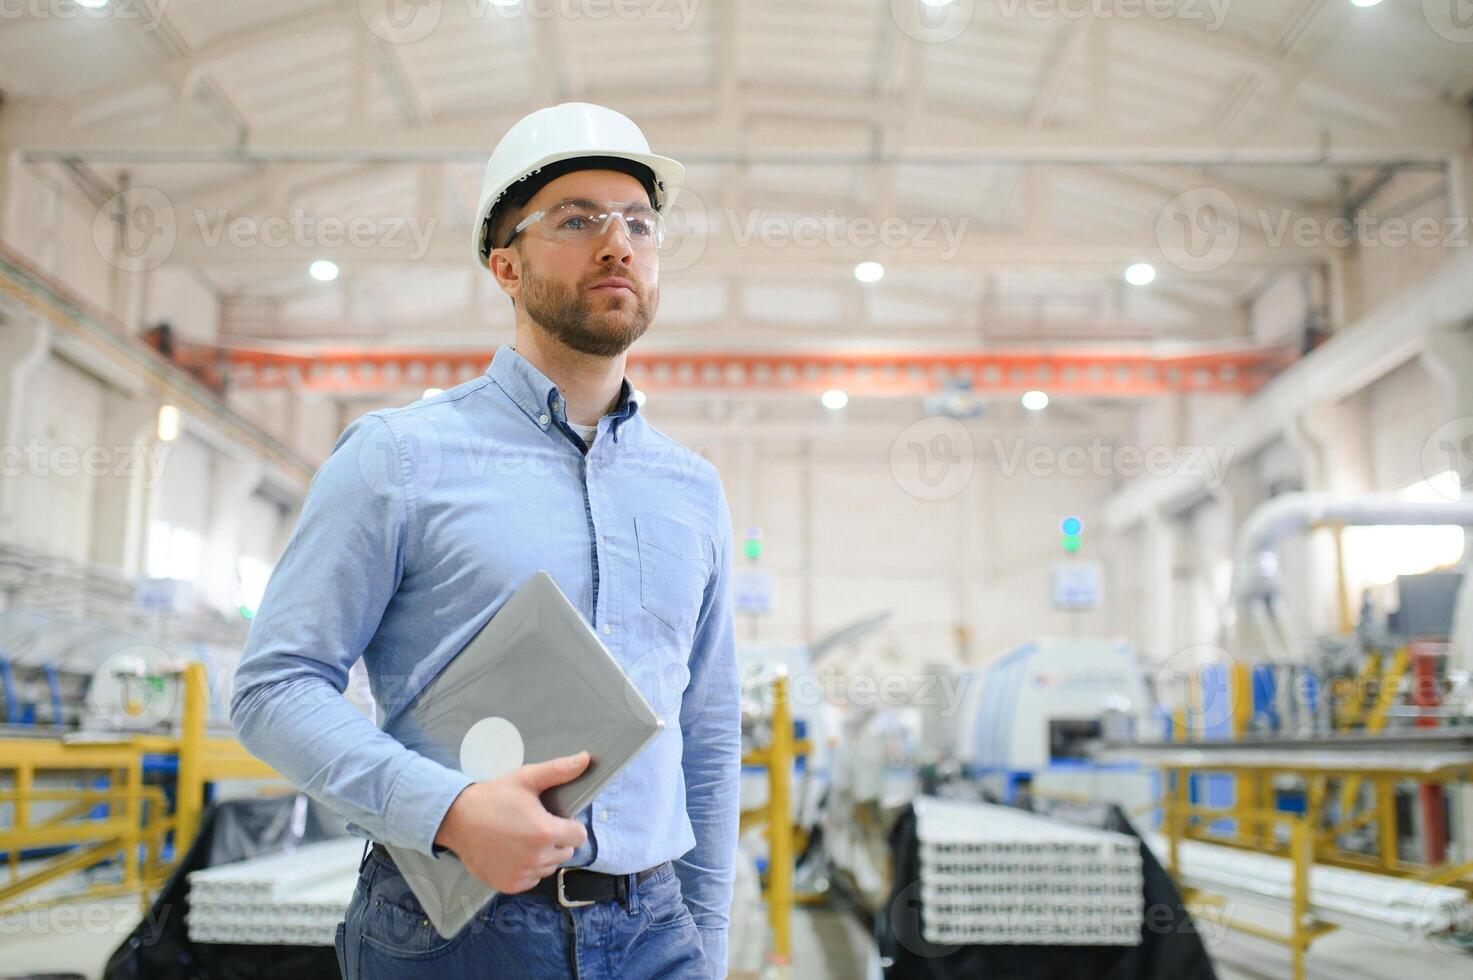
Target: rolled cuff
[{"x": 420, "y": 799}]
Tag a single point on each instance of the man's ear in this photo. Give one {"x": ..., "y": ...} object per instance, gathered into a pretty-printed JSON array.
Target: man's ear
[{"x": 506, "y": 265}]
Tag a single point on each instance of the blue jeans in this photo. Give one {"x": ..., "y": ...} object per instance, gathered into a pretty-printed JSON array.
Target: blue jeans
[{"x": 386, "y": 936}]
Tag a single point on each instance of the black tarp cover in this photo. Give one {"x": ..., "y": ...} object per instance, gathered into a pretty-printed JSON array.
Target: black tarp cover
[
  {"x": 159, "y": 949},
  {"x": 1170, "y": 948}
]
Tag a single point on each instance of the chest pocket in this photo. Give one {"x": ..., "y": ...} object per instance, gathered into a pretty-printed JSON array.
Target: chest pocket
[{"x": 674, "y": 564}]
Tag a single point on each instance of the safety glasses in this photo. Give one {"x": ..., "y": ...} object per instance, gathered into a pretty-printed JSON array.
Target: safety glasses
[{"x": 580, "y": 219}]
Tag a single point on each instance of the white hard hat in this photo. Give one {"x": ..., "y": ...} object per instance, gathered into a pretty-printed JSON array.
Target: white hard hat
[{"x": 563, "y": 132}]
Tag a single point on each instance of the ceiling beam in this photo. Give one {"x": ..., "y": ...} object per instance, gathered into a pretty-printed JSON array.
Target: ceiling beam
[{"x": 938, "y": 137}]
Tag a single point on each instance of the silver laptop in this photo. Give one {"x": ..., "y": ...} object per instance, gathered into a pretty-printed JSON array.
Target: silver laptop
[{"x": 534, "y": 684}]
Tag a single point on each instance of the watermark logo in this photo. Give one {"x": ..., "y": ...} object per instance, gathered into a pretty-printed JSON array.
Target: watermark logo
[
  {"x": 687, "y": 230},
  {"x": 933, "y": 459},
  {"x": 1449, "y": 447},
  {"x": 401, "y": 21},
  {"x": 135, "y": 230},
  {"x": 1450, "y": 19},
  {"x": 400, "y": 464},
  {"x": 1195, "y": 686},
  {"x": 932, "y": 21},
  {"x": 1198, "y": 230},
  {"x": 135, "y": 688}
]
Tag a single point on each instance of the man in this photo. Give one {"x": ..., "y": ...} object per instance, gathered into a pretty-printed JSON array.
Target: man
[{"x": 425, "y": 519}]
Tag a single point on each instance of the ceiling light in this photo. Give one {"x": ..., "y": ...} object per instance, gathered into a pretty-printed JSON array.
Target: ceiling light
[
  {"x": 1140, "y": 274},
  {"x": 323, "y": 270},
  {"x": 835, "y": 399},
  {"x": 1035, "y": 400},
  {"x": 168, "y": 423},
  {"x": 432, "y": 392},
  {"x": 869, "y": 272}
]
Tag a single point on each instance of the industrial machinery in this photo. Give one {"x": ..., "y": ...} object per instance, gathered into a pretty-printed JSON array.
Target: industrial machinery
[{"x": 1031, "y": 718}]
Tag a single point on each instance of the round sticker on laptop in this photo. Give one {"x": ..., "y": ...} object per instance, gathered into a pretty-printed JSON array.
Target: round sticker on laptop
[{"x": 492, "y": 747}]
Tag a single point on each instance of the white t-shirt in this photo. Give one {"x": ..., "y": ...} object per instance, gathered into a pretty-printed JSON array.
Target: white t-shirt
[{"x": 585, "y": 432}]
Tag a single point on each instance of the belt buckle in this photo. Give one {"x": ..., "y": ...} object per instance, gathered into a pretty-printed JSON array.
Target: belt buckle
[{"x": 562, "y": 896}]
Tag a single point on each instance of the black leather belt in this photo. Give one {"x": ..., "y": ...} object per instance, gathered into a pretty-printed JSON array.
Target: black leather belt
[{"x": 574, "y": 888}]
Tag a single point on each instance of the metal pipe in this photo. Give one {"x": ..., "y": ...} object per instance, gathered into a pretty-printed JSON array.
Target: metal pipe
[{"x": 1255, "y": 566}]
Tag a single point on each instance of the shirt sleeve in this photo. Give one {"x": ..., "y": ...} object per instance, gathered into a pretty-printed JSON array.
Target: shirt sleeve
[
  {"x": 711, "y": 726},
  {"x": 321, "y": 608}
]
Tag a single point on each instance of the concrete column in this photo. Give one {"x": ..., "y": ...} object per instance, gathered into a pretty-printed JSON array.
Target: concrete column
[
  {"x": 1460, "y": 187},
  {"x": 1448, "y": 356},
  {"x": 8, "y": 167},
  {"x": 24, "y": 344},
  {"x": 1159, "y": 588},
  {"x": 234, "y": 480},
  {"x": 120, "y": 497}
]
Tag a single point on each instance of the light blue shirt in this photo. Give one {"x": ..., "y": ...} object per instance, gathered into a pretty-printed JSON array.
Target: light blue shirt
[{"x": 422, "y": 522}]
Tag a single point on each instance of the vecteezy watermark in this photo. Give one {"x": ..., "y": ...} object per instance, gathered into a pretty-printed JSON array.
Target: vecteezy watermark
[
  {"x": 150, "y": 14},
  {"x": 1200, "y": 230},
  {"x": 1363, "y": 230},
  {"x": 117, "y": 917},
  {"x": 1212, "y": 12},
  {"x": 833, "y": 230},
  {"x": 1207, "y": 463},
  {"x": 301, "y": 229},
  {"x": 1450, "y": 19},
  {"x": 138, "y": 229},
  {"x": 135, "y": 688},
  {"x": 63, "y": 461},
  {"x": 941, "y": 690},
  {"x": 408, "y": 21},
  {"x": 1450, "y": 447},
  {"x": 932, "y": 21},
  {"x": 1196, "y": 688},
  {"x": 933, "y": 459}
]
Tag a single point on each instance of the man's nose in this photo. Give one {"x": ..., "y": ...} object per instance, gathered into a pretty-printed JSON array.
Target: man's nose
[{"x": 614, "y": 244}]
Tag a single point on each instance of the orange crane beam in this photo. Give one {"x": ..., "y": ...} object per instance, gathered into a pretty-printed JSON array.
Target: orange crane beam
[{"x": 1093, "y": 373}]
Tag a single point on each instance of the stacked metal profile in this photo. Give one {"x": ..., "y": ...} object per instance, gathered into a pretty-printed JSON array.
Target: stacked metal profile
[
  {"x": 993, "y": 875},
  {"x": 296, "y": 898},
  {"x": 1391, "y": 908}
]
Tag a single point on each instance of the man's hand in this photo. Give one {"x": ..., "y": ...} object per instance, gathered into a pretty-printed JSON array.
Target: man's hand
[{"x": 504, "y": 835}]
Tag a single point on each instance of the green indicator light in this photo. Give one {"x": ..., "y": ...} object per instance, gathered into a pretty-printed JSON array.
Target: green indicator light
[
  {"x": 1071, "y": 542},
  {"x": 753, "y": 548}
]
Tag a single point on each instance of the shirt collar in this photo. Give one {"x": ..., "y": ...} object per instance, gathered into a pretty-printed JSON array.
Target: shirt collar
[{"x": 536, "y": 395}]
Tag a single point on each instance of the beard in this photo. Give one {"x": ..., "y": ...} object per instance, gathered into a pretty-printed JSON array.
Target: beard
[{"x": 587, "y": 323}]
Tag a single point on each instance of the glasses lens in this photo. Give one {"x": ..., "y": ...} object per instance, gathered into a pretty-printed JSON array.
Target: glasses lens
[{"x": 588, "y": 219}]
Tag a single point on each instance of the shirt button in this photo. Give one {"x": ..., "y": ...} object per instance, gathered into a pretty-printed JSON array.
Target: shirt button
[
  {"x": 603, "y": 814},
  {"x": 608, "y": 629},
  {"x": 542, "y": 420}
]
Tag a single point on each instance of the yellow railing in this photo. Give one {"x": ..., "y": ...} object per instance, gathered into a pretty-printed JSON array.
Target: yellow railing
[
  {"x": 778, "y": 758},
  {"x": 1311, "y": 840},
  {"x": 135, "y": 823}
]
